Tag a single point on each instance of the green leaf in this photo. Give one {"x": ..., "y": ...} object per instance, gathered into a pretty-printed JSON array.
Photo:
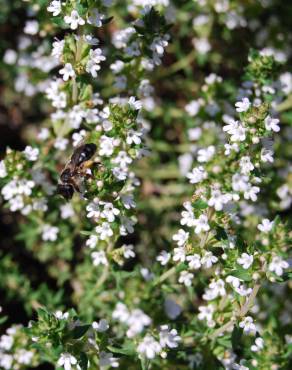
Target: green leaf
[
  {"x": 242, "y": 274},
  {"x": 199, "y": 204},
  {"x": 220, "y": 233},
  {"x": 236, "y": 337},
  {"x": 128, "y": 349},
  {"x": 225, "y": 341},
  {"x": 79, "y": 331},
  {"x": 107, "y": 20},
  {"x": 59, "y": 21},
  {"x": 83, "y": 362}
]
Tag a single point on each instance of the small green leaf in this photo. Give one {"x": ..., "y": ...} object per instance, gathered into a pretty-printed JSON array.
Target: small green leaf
[
  {"x": 199, "y": 204},
  {"x": 83, "y": 362},
  {"x": 235, "y": 337},
  {"x": 127, "y": 349},
  {"x": 79, "y": 331},
  {"x": 107, "y": 20},
  {"x": 241, "y": 273},
  {"x": 220, "y": 233}
]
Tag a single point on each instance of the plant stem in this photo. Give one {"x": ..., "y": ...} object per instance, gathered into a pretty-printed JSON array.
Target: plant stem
[
  {"x": 243, "y": 311},
  {"x": 79, "y": 45},
  {"x": 166, "y": 275}
]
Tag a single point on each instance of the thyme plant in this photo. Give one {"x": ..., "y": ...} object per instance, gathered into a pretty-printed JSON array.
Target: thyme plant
[{"x": 168, "y": 246}]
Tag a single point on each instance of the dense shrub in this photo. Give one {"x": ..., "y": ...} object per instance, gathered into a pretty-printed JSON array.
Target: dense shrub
[{"x": 146, "y": 184}]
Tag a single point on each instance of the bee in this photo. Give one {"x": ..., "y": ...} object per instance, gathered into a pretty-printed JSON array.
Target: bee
[{"x": 76, "y": 170}]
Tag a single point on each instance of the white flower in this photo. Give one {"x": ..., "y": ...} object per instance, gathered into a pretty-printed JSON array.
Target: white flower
[
  {"x": 163, "y": 258},
  {"x": 206, "y": 312},
  {"x": 66, "y": 360},
  {"x": 218, "y": 199},
  {"x": 251, "y": 192},
  {"x": 23, "y": 357},
  {"x": 128, "y": 201},
  {"x": 245, "y": 260},
  {"x": 234, "y": 281},
  {"x": 10, "y": 56},
  {"x": 266, "y": 225},
  {"x": 242, "y": 106},
  {"x": 126, "y": 226},
  {"x": 95, "y": 18},
  {"x": 31, "y": 153},
  {"x": 205, "y": 154},
  {"x": 215, "y": 289},
  {"x": 43, "y": 134},
  {"x": 158, "y": 45},
  {"x": 277, "y": 265},
  {"x": 77, "y": 137},
  {"x": 247, "y": 325},
  {"x": 106, "y": 359},
  {"x": 104, "y": 230},
  {"x": 188, "y": 215},
  {"x": 202, "y": 45},
  {"x": 49, "y": 233},
  {"x": 6, "y": 342},
  {"x": 91, "y": 40},
  {"x": 95, "y": 57},
  {"x": 259, "y": 345},
  {"x": 208, "y": 260},
  {"x": 74, "y": 20},
  {"x": 201, "y": 224},
  {"x": 100, "y": 326},
  {"x": 192, "y": 108},
  {"x": 109, "y": 211},
  {"x": 117, "y": 66},
  {"x": 61, "y": 316},
  {"x": 236, "y": 130},
  {"x": 99, "y": 258},
  {"x": 129, "y": 251},
  {"x": 149, "y": 347},
  {"x": 179, "y": 254},
  {"x": 133, "y": 137},
  {"x": 194, "y": 133},
  {"x": 121, "y": 312},
  {"x": 198, "y": 174},
  {"x": 180, "y": 237},
  {"x": 107, "y": 145},
  {"x": 246, "y": 165},
  {"x": 194, "y": 261},
  {"x": 31, "y": 27},
  {"x": 58, "y": 47},
  {"x": 54, "y": 7},
  {"x": 267, "y": 155},
  {"x": 134, "y": 104},
  {"x": 61, "y": 143},
  {"x": 120, "y": 173},
  {"x": 6, "y": 361},
  {"x": 92, "y": 241},
  {"x": 122, "y": 159},
  {"x": 272, "y": 124},
  {"x": 185, "y": 278},
  {"x": 3, "y": 171},
  {"x": 67, "y": 211},
  {"x": 136, "y": 322},
  {"x": 243, "y": 291},
  {"x": 67, "y": 71},
  {"x": 93, "y": 209},
  {"x": 229, "y": 148},
  {"x": 168, "y": 338}
]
